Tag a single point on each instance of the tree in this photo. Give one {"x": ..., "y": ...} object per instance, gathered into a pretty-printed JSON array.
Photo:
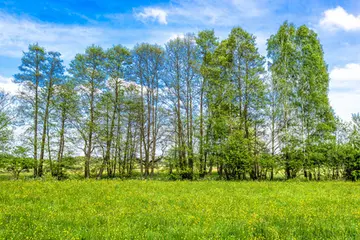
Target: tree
[
  {"x": 181, "y": 54},
  {"x": 282, "y": 54},
  {"x": 5, "y": 121},
  {"x": 32, "y": 77},
  {"x": 236, "y": 102},
  {"x": 54, "y": 71},
  {"x": 146, "y": 68},
  {"x": 88, "y": 70},
  {"x": 18, "y": 161},
  {"x": 207, "y": 42},
  {"x": 301, "y": 80},
  {"x": 247, "y": 67},
  {"x": 132, "y": 112},
  {"x": 118, "y": 58},
  {"x": 209, "y": 105},
  {"x": 349, "y": 149},
  {"x": 66, "y": 102},
  {"x": 219, "y": 103}
]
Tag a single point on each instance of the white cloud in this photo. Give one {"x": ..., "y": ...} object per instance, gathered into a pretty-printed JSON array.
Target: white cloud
[
  {"x": 16, "y": 33},
  {"x": 251, "y": 8},
  {"x": 338, "y": 18},
  {"x": 176, "y": 35},
  {"x": 345, "y": 104},
  {"x": 346, "y": 77},
  {"x": 345, "y": 90},
  {"x": 154, "y": 14},
  {"x": 261, "y": 41},
  {"x": 8, "y": 85},
  {"x": 204, "y": 12}
]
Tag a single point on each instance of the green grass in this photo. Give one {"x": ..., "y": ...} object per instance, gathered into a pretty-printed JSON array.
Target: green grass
[{"x": 137, "y": 209}]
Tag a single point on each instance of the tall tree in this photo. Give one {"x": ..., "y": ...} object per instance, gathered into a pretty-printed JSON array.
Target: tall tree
[
  {"x": 66, "y": 109},
  {"x": 5, "y": 120},
  {"x": 317, "y": 122},
  {"x": 32, "y": 77},
  {"x": 237, "y": 109},
  {"x": 54, "y": 71},
  {"x": 146, "y": 71},
  {"x": 300, "y": 76},
  {"x": 247, "y": 68},
  {"x": 118, "y": 58},
  {"x": 207, "y": 42},
  {"x": 282, "y": 54},
  {"x": 89, "y": 70},
  {"x": 181, "y": 75},
  {"x": 274, "y": 117}
]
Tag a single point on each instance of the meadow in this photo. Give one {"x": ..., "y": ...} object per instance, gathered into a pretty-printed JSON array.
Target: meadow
[{"x": 139, "y": 209}]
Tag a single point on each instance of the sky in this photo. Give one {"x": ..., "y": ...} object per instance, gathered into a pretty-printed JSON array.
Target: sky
[{"x": 69, "y": 26}]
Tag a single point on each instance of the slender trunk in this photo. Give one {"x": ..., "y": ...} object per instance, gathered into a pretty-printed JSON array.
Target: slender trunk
[
  {"x": 273, "y": 130},
  {"x": 240, "y": 88},
  {"x": 154, "y": 127},
  {"x": 142, "y": 127},
  {"x": 118, "y": 142},
  {"x": 148, "y": 131},
  {"x": 111, "y": 134},
  {"x": 141, "y": 155},
  {"x": 180, "y": 138},
  {"x": 201, "y": 142},
  {"x": 91, "y": 129},
  {"x": 36, "y": 111},
  {"x": 182, "y": 157},
  {"x": 61, "y": 145},
  {"x": 49, "y": 152},
  {"x": 35, "y": 133},
  {"x": 189, "y": 111},
  {"x": 127, "y": 146},
  {"x": 45, "y": 124}
]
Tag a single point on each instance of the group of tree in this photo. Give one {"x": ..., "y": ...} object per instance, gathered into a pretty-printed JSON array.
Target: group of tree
[{"x": 194, "y": 107}]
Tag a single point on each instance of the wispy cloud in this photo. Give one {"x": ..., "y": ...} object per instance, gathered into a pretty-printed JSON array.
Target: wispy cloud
[
  {"x": 217, "y": 12},
  {"x": 152, "y": 14},
  {"x": 176, "y": 35},
  {"x": 17, "y": 32},
  {"x": 339, "y": 18}
]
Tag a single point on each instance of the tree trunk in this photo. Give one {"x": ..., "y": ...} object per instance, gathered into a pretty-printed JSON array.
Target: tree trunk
[
  {"x": 201, "y": 144},
  {"x": 91, "y": 129},
  {"x": 45, "y": 125},
  {"x": 61, "y": 145},
  {"x": 36, "y": 110},
  {"x": 111, "y": 135}
]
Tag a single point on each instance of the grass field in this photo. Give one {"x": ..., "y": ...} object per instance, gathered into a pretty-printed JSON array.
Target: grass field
[{"x": 137, "y": 209}]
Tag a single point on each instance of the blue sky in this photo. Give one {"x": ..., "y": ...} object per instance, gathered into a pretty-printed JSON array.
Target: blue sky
[{"x": 70, "y": 26}]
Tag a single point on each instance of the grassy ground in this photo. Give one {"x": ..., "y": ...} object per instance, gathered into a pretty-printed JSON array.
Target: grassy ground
[{"x": 136, "y": 209}]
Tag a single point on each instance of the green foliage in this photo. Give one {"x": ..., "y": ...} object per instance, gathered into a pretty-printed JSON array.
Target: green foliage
[
  {"x": 300, "y": 79},
  {"x": 17, "y": 162},
  {"x": 235, "y": 157},
  {"x": 33, "y": 66},
  {"x": 210, "y": 107},
  {"x": 5, "y": 121}
]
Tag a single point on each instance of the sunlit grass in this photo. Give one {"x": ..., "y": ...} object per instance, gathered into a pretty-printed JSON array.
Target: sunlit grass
[{"x": 135, "y": 209}]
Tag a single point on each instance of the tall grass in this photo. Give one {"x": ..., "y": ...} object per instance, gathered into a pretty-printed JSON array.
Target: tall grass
[{"x": 133, "y": 209}]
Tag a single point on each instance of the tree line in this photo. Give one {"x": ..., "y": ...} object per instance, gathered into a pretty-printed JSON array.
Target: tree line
[{"x": 194, "y": 107}]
